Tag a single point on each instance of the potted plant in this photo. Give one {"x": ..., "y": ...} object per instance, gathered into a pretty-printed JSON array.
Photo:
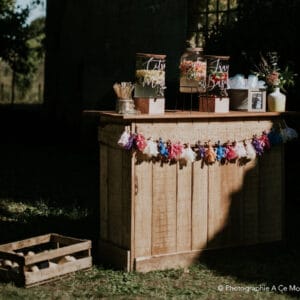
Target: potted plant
[{"x": 276, "y": 79}]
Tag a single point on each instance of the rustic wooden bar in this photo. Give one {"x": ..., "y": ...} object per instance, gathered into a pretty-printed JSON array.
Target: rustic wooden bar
[{"x": 159, "y": 215}]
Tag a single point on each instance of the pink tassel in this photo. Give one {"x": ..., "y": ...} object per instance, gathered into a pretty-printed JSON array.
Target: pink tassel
[
  {"x": 264, "y": 141},
  {"x": 140, "y": 142},
  {"x": 175, "y": 150},
  {"x": 230, "y": 153}
]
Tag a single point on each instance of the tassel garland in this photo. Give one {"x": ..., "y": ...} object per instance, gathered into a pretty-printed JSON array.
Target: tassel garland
[{"x": 247, "y": 149}]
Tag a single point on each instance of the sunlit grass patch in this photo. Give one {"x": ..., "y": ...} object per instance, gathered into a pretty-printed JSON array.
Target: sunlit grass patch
[{"x": 11, "y": 210}]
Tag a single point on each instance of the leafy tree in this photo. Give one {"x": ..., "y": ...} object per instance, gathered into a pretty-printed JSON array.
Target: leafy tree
[
  {"x": 35, "y": 43},
  {"x": 17, "y": 41}
]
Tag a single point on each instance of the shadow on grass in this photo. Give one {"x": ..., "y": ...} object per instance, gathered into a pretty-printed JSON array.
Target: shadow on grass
[{"x": 271, "y": 266}]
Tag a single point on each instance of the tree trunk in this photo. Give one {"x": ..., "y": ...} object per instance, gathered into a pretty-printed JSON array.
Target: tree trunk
[{"x": 13, "y": 83}]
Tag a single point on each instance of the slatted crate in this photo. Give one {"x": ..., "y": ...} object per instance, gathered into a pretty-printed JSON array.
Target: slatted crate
[{"x": 43, "y": 258}]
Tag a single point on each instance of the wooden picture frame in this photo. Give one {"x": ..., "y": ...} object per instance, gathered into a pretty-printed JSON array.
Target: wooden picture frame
[{"x": 257, "y": 100}]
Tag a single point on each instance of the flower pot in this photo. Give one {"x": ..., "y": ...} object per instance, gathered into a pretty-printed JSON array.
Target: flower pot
[{"x": 276, "y": 101}]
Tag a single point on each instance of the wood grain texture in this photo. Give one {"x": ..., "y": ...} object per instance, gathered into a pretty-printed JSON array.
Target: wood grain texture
[
  {"x": 115, "y": 209},
  {"x": 251, "y": 203},
  {"x": 126, "y": 199},
  {"x": 199, "y": 206},
  {"x": 164, "y": 212},
  {"x": 184, "y": 208},
  {"x": 143, "y": 209},
  {"x": 104, "y": 192}
]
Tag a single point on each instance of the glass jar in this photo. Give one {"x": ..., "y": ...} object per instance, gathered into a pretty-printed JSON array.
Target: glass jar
[
  {"x": 192, "y": 71},
  {"x": 217, "y": 74},
  {"x": 150, "y": 75}
]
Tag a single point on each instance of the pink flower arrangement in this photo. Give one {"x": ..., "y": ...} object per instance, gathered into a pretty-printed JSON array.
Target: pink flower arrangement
[
  {"x": 269, "y": 71},
  {"x": 193, "y": 70}
]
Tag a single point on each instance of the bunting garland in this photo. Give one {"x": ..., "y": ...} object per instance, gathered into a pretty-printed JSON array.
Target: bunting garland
[{"x": 209, "y": 152}]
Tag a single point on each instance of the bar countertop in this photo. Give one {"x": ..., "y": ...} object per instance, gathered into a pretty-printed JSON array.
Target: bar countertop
[{"x": 179, "y": 114}]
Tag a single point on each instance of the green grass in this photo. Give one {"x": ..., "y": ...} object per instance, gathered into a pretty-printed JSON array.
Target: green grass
[
  {"x": 251, "y": 273},
  {"x": 13, "y": 211},
  {"x": 196, "y": 282}
]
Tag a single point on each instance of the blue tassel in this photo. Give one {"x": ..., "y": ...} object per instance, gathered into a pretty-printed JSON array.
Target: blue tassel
[
  {"x": 275, "y": 138},
  {"x": 220, "y": 152},
  {"x": 162, "y": 149}
]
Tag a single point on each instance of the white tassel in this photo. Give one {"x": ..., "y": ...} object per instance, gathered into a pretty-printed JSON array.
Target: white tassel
[
  {"x": 240, "y": 150},
  {"x": 251, "y": 153},
  {"x": 188, "y": 154},
  {"x": 151, "y": 148},
  {"x": 123, "y": 140}
]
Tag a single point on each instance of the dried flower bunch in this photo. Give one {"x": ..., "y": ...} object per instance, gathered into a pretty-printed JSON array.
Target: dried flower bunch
[
  {"x": 268, "y": 69},
  {"x": 151, "y": 78},
  {"x": 123, "y": 90}
]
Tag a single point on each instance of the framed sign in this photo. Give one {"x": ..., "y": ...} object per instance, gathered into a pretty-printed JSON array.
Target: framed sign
[{"x": 256, "y": 100}]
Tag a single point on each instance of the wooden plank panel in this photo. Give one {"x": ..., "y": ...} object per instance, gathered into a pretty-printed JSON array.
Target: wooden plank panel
[
  {"x": 110, "y": 134},
  {"x": 218, "y": 207},
  {"x": 115, "y": 196},
  {"x": 251, "y": 201},
  {"x": 126, "y": 198},
  {"x": 199, "y": 206},
  {"x": 41, "y": 239},
  {"x": 115, "y": 256},
  {"x": 72, "y": 249},
  {"x": 103, "y": 191},
  {"x": 66, "y": 240},
  {"x": 167, "y": 261},
  {"x": 164, "y": 209},
  {"x": 184, "y": 207},
  {"x": 231, "y": 186},
  {"x": 271, "y": 194},
  {"x": 46, "y": 274},
  {"x": 143, "y": 209}
]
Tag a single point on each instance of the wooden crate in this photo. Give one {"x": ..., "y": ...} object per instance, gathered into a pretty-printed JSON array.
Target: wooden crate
[
  {"x": 43, "y": 258},
  {"x": 210, "y": 103},
  {"x": 150, "y": 105}
]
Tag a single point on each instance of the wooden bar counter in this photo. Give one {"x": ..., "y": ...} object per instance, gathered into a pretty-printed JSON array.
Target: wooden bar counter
[{"x": 156, "y": 215}]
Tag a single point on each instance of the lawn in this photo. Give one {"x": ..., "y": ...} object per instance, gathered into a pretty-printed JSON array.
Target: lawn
[{"x": 256, "y": 274}]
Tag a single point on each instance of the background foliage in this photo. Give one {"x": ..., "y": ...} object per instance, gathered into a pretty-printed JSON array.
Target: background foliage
[{"x": 21, "y": 45}]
